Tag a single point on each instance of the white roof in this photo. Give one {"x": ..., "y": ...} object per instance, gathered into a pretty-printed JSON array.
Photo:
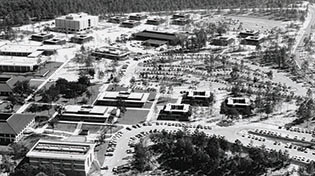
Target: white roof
[{"x": 60, "y": 150}]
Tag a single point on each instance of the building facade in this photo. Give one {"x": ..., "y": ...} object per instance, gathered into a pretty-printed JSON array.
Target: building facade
[
  {"x": 72, "y": 158},
  {"x": 110, "y": 53},
  {"x": 12, "y": 126},
  {"x": 76, "y": 22}
]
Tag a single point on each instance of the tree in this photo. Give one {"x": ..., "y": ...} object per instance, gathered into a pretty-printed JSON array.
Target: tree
[
  {"x": 84, "y": 80},
  {"x": 22, "y": 87}
]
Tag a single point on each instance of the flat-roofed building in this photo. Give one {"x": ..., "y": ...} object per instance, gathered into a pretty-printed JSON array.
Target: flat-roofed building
[
  {"x": 130, "y": 23},
  {"x": 222, "y": 41},
  {"x": 171, "y": 38},
  {"x": 127, "y": 98},
  {"x": 76, "y": 22},
  {"x": 180, "y": 21},
  {"x": 89, "y": 113},
  {"x": 155, "y": 21},
  {"x": 253, "y": 40},
  {"x": 247, "y": 33},
  {"x": 110, "y": 53},
  {"x": 41, "y": 37},
  {"x": 137, "y": 17},
  {"x": 197, "y": 97},
  {"x": 176, "y": 112},
  {"x": 55, "y": 41},
  {"x": 17, "y": 50},
  {"x": 72, "y": 158},
  {"x": 116, "y": 19},
  {"x": 12, "y": 126},
  {"x": 180, "y": 15},
  {"x": 19, "y": 64},
  {"x": 81, "y": 39},
  {"x": 237, "y": 106}
]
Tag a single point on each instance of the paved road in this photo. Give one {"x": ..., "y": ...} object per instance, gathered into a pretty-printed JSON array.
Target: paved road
[{"x": 304, "y": 33}]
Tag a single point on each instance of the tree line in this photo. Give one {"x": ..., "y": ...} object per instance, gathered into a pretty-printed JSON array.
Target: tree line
[{"x": 17, "y": 12}]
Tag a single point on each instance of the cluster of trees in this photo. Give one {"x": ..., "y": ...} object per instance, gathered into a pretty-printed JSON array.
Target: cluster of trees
[
  {"x": 14, "y": 12},
  {"x": 68, "y": 89},
  {"x": 197, "y": 154},
  {"x": 277, "y": 55},
  {"x": 43, "y": 170}
]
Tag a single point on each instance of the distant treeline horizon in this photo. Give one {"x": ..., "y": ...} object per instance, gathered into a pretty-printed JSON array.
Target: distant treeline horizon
[{"x": 19, "y": 12}]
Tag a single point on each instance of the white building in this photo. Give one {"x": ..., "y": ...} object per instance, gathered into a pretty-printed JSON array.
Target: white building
[
  {"x": 75, "y": 158},
  {"x": 76, "y": 22}
]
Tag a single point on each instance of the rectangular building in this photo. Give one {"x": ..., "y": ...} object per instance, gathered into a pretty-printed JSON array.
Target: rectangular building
[
  {"x": 180, "y": 21},
  {"x": 6, "y": 85},
  {"x": 116, "y": 19},
  {"x": 19, "y": 64},
  {"x": 155, "y": 21},
  {"x": 72, "y": 158},
  {"x": 17, "y": 50},
  {"x": 222, "y": 41},
  {"x": 130, "y": 23},
  {"x": 81, "y": 39},
  {"x": 247, "y": 33},
  {"x": 12, "y": 126},
  {"x": 125, "y": 98},
  {"x": 55, "y": 41},
  {"x": 197, "y": 97},
  {"x": 180, "y": 15},
  {"x": 171, "y": 38},
  {"x": 110, "y": 53},
  {"x": 176, "y": 112},
  {"x": 41, "y": 37},
  {"x": 76, "y": 22},
  {"x": 252, "y": 40},
  {"x": 89, "y": 113},
  {"x": 137, "y": 17}
]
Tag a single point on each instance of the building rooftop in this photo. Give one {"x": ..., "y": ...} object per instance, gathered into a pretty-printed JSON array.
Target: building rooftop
[
  {"x": 18, "y": 48},
  {"x": 238, "y": 101},
  {"x": 198, "y": 93},
  {"x": 14, "y": 123},
  {"x": 89, "y": 110},
  {"x": 111, "y": 50},
  {"x": 60, "y": 150},
  {"x": 156, "y": 35},
  {"x": 124, "y": 95},
  {"x": 172, "y": 107}
]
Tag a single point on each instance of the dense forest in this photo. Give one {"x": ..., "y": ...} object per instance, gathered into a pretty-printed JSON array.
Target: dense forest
[
  {"x": 198, "y": 154},
  {"x": 16, "y": 12}
]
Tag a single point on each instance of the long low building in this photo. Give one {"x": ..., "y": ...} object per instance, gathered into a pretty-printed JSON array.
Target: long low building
[
  {"x": 126, "y": 98},
  {"x": 177, "y": 112},
  {"x": 72, "y": 158},
  {"x": 171, "y": 38},
  {"x": 18, "y": 64},
  {"x": 89, "y": 113},
  {"x": 12, "y": 126}
]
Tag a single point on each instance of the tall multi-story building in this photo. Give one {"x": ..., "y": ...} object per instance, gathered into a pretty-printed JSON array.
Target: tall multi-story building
[
  {"x": 72, "y": 158},
  {"x": 76, "y": 22}
]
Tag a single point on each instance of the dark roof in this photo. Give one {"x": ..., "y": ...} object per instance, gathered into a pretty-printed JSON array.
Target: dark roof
[
  {"x": 15, "y": 123},
  {"x": 156, "y": 35},
  {"x": 155, "y": 42}
]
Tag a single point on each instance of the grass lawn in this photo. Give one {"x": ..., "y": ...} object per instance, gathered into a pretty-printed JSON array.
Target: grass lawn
[
  {"x": 69, "y": 127},
  {"x": 133, "y": 117},
  {"x": 100, "y": 152},
  {"x": 164, "y": 100}
]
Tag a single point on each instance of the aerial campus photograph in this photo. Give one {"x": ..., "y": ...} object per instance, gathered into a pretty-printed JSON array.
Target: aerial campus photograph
[{"x": 157, "y": 88}]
